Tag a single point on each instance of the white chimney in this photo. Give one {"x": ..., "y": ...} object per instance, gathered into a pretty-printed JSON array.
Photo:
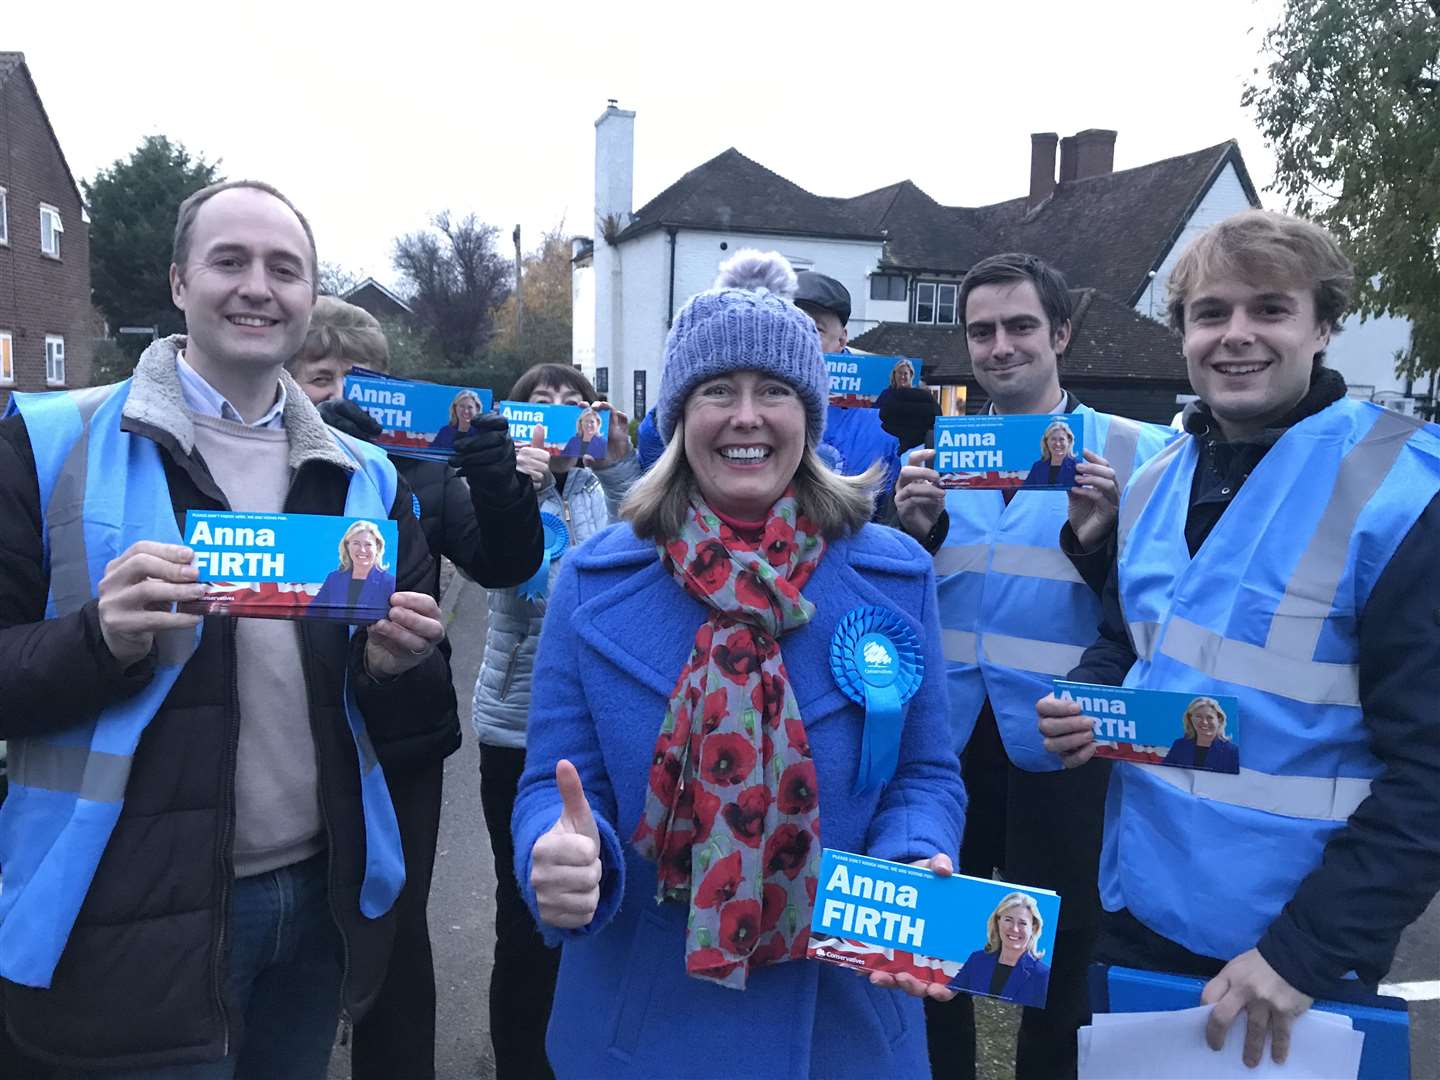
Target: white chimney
[{"x": 614, "y": 167}]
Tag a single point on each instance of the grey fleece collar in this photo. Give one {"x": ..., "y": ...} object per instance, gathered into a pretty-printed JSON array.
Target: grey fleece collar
[{"x": 157, "y": 401}]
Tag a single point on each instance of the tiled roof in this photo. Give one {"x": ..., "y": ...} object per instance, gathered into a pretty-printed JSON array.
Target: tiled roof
[
  {"x": 733, "y": 193},
  {"x": 9, "y": 61},
  {"x": 1104, "y": 232},
  {"x": 1110, "y": 341}
]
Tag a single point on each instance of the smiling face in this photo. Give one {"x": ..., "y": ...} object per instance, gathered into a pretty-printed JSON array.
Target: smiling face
[
  {"x": 1016, "y": 929},
  {"x": 589, "y": 426},
  {"x": 1250, "y": 351},
  {"x": 465, "y": 411},
  {"x": 1058, "y": 443},
  {"x": 361, "y": 547},
  {"x": 744, "y": 437},
  {"x": 246, "y": 287},
  {"x": 1013, "y": 352},
  {"x": 1206, "y": 721}
]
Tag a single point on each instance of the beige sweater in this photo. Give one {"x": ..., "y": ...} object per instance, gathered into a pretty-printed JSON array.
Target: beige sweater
[{"x": 277, "y": 798}]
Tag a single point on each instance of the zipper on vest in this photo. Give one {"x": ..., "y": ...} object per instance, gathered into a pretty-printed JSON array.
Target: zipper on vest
[{"x": 227, "y": 817}]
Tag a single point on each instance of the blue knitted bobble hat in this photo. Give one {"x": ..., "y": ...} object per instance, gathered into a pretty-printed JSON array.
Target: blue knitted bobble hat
[{"x": 745, "y": 322}]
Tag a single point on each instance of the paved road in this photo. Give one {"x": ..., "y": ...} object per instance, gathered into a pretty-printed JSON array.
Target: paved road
[{"x": 462, "y": 914}]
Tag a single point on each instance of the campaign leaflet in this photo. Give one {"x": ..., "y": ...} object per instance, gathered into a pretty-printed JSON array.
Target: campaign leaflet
[
  {"x": 858, "y": 379},
  {"x": 957, "y": 931},
  {"x": 1160, "y": 727},
  {"x": 418, "y": 419},
  {"x": 1039, "y": 452},
  {"x": 564, "y": 430},
  {"x": 293, "y": 566}
]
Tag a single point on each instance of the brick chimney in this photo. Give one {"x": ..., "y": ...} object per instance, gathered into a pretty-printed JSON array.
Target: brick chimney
[
  {"x": 1094, "y": 153},
  {"x": 1067, "y": 158},
  {"x": 1042, "y": 168}
]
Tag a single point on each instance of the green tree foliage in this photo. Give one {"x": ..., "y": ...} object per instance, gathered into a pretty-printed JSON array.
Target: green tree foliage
[
  {"x": 132, "y": 208},
  {"x": 453, "y": 280},
  {"x": 1350, "y": 103},
  {"x": 544, "y": 335}
]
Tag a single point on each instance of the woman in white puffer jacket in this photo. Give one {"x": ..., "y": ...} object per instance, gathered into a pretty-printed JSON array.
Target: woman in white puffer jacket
[{"x": 586, "y": 499}]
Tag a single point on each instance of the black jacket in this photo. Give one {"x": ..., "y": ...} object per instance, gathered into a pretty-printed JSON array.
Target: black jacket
[
  {"x": 140, "y": 982},
  {"x": 1379, "y": 872},
  {"x": 499, "y": 552}
]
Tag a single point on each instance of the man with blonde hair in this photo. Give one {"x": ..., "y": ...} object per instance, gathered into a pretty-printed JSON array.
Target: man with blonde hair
[{"x": 1281, "y": 551}]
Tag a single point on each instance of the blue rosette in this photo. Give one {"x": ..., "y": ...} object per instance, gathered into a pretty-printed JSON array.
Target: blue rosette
[
  {"x": 876, "y": 660},
  {"x": 557, "y": 540}
]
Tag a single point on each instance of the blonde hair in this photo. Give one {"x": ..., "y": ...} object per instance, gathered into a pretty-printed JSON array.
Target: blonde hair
[
  {"x": 1055, "y": 425},
  {"x": 1200, "y": 703},
  {"x": 895, "y": 378},
  {"x": 461, "y": 396},
  {"x": 373, "y": 530},
  {"x": 1262, "y": 246},
  {"x": 581, "y": 419},
  {"x": 345, "y": 332},
  {"x": 838, "y": 505},
  {"x": 992, "y": 924}
]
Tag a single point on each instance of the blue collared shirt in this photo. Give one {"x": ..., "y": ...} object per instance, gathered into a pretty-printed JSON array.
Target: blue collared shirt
[{"x": 205, "y": 400}]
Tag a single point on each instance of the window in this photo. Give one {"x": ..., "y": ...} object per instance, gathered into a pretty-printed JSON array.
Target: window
[
  {"x": 4, "y": 217},
  {"x": 602, "y": 380},
  {"x": 7, "y": 360},
  {"x": 935, "y": 302},
  {"x": 639, "y": 408},
  {"x": 887, "y": 287},
  {"x": 50, "y": 229},
  {"x": 54, "y": 361}
]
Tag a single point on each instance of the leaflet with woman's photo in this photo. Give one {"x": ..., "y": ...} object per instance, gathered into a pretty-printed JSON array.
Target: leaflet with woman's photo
[
  {"x": 1006, "y": 452},
  {"x": 858, "y": 379},
  {"x": 565, "y": 430},
  {"x": 293, "y": 566},
  {"x": 969, "y": 934},
  {"x": 417, "y": 419},
  {"x": 1160, "y": 727}
]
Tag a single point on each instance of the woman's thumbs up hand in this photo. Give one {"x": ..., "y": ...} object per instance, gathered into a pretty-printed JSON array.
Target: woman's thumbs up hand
[{"x": 565, "y": 862}]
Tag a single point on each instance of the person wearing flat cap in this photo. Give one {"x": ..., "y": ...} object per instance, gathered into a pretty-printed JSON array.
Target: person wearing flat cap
[{"x": 856, "y": 435}]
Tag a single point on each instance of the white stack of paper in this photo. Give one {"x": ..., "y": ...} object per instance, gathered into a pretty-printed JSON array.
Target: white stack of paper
[{"x": 1171, "y": 1046}]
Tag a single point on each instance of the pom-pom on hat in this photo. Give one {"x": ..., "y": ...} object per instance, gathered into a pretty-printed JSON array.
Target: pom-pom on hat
[{"x": 745, "y": 322}]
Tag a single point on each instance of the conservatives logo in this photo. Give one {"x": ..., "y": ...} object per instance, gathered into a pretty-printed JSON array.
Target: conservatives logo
[{"x": 876, "y": 654}]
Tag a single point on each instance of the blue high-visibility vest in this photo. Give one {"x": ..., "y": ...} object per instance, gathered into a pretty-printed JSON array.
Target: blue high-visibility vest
[
  {"x": 1267, "y": 610},
  {"x": 1014, "y": 612},
  {"x": 102, "y": 490}
]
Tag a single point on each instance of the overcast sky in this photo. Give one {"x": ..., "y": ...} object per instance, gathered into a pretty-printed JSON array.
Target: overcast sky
[{"x": 374, "y": 116}]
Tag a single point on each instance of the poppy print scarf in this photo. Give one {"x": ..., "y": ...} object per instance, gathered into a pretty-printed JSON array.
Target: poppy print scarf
[{"x": 732, "y": 813}]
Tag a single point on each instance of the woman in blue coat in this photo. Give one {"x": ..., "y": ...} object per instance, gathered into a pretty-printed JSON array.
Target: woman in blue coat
[
  {"x": 363, "y": 582},
  {"x": 690, "y": 737},
  {"x": 1009, "y": 966},
  {"x": 1056, "y": 467},
  {"x": 1204, "y": 745}
]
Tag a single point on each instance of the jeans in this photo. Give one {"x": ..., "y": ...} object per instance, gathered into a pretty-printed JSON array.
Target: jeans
[{"x": 282, "y": 989}]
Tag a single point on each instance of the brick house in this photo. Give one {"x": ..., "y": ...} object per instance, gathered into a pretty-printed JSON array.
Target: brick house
[{"x": 47, "y": 324}]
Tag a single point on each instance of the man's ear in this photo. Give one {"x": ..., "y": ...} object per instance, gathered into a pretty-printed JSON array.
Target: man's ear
[
  {"x": 1061, "y": 340},
  {"x": 177, "y": 287},
  {"x": 844, "y": 337}
]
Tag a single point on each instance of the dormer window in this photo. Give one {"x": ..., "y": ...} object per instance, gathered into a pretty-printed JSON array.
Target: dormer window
[{"x": 935, "y": 302}]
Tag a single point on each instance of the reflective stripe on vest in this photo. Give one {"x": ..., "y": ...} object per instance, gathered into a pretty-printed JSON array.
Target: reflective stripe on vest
[
  {"x": 1014, "y": 612},
  {"x": 101, "y": 490},
  {"x": 1270, "y": 614}
]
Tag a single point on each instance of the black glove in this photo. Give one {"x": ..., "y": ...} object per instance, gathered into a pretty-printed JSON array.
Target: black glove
[
  {"x": 485, "y": 456},
  {"x": 350, "y": 418}
]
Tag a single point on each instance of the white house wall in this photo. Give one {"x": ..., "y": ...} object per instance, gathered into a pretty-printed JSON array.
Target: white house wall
[
  {"x": 645, "y": 311},
  {"x": 582, "y": 317},
  {"x": 1225, "y": 197},
  {"x": 1364, "y": 353}
]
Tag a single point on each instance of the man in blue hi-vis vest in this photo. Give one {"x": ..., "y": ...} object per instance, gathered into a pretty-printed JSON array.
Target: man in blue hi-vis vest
[
  {"x": 198, "y": 850},
  {"x": 1015, "y": 614},
  {"x": 1281, "y": 551}
]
